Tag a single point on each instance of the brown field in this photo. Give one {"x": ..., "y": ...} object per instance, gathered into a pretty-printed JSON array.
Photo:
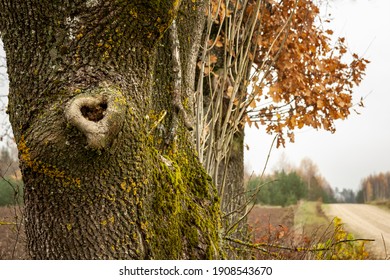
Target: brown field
[
  {"x": 262, "y": 220},
  {"x": 274, "y": 227}
]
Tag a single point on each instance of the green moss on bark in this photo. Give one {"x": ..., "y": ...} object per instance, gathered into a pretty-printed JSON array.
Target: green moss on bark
[{"x": 185, "y": 219}]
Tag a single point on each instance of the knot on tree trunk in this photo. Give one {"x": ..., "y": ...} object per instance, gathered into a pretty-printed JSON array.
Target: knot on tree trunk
[{"x": 98, "y": 114}]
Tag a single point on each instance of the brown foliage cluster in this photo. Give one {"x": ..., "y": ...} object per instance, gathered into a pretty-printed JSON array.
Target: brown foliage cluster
[
  {"x": 307, "y": 77},
  {"x": 300, "y": 78}
]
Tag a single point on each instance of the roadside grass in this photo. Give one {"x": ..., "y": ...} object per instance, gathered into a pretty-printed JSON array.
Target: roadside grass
[
  {"x": 309, "y": 215},
  {"x": 383, "y": 204},
  {"x": 328, "y": 238}
]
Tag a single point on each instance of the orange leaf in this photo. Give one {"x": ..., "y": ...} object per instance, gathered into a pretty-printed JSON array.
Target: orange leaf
[
  {"x": 253, "y": 104},
  {"x": 320, "y": 104},
  {"x": 213, "y": 59},
  {"x": 330, "y": 32}
]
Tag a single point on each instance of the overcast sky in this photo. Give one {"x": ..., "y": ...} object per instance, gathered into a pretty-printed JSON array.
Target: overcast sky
[{"x": 361, "y": 144}]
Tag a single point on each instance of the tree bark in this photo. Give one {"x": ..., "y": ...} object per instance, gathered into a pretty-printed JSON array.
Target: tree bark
[
  {"x": 107, "y": 172},
  {"x": 234, "y": 199}
]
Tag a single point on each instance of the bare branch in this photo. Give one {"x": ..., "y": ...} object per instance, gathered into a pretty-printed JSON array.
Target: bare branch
[{"x": 296, "y": 249}]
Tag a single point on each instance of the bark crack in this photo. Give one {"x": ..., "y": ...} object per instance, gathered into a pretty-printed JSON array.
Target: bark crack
[{"x": 177, "y": 85}]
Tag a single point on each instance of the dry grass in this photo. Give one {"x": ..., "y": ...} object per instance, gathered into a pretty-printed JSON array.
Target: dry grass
[{"x": 12, "y": 238}]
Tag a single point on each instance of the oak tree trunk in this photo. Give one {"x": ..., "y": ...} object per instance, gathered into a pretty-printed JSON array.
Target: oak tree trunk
[{"x": 108, "y": 164}]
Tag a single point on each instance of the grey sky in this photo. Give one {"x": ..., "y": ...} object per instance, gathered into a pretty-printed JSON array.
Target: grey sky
[{"x": 361, "y": 144}]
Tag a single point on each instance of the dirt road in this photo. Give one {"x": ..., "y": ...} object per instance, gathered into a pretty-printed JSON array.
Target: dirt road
[{"x": 365, "y": 221}]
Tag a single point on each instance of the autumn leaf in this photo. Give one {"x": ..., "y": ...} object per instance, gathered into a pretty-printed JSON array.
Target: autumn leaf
[
  {"x": 292, "y": 122},
  {"x": 213, "y": 59},
  {"x": 253, "y": 104},
  {"x": 229, "y": 91},
  {"x": 291, "y": 136},
  {"x": 320, "y": 104},
  {"x": 218, "y": 42}
]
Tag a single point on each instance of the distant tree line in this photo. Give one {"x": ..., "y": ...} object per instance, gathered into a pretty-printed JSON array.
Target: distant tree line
[
  {"x": 347, "y": 196},
  {"x": 281, "y": 188},
  {"x": 289, "y": 185},
  {"x": 287, "y": 188},
  {"x": 375, "y": 188}
]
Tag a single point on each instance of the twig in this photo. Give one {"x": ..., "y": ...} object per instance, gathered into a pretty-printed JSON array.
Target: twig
[
  {"x": 268, "y": 155},
  {"x": 295, "y": 249},
  {"x": 384, "y": 245},
  {"x": 7, "y": 223}
]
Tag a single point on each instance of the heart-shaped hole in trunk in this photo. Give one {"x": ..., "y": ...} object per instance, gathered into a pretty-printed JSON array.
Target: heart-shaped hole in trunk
[{"x": 94, "y": 113}]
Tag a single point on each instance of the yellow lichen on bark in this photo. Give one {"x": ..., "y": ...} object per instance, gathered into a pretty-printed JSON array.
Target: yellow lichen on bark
[{"x": 44, "y": 168}]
